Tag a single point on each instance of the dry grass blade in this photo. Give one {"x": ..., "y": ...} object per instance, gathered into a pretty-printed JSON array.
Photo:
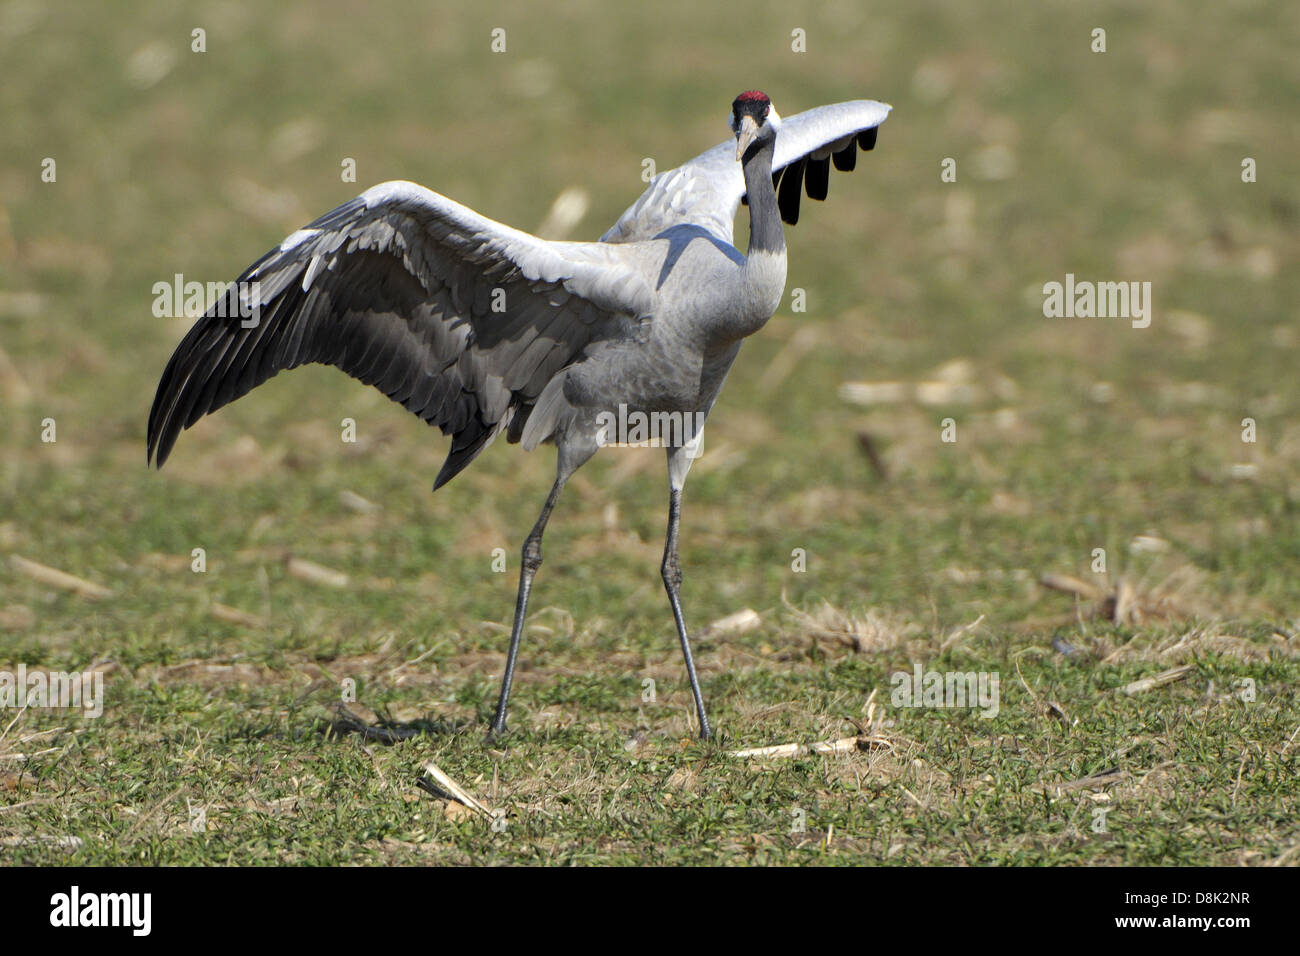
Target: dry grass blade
[
  {"x": 233, "y": 615},
  {"x": 315, "y": 573},
  {"x": 739, "y": 623},
  {"x": 35, "y": 753},
  {"x": 1290, "y": 740},
  {"x": 960, "y": 632},
  {"x": 46, "y": 839},
  {"x": 845, "y": 745},
  {"x": 354, "y": 502},
  {"x": 1165, "y": 677},
  {"x": 1072, "y": 585},
  {"x": 455, "y": 791},
  {"x": 10, "y": 726},
  {"x": 1284, "y": 858},
  {"x": 156, "y": 807},
  {"x": 860, "y": 634},
  {"x": 1178, "y": 595},
  {"x": 1124, "y": 603},
  {"x": 874, "y": 393},
  {"x": 1107, "y": 778},
  {"x": 25, "y": 803},
  {"x": 58, "y": 579}
]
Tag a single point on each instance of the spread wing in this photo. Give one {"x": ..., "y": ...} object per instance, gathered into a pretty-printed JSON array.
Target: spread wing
[
  {"x": 707, "y": 190},
  {"x": 460, "y": 319}
]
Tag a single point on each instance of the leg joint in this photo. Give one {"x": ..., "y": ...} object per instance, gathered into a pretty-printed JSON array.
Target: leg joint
[
  {"x": 532, "y": 554},
  {"x": 671, "y": 572}
]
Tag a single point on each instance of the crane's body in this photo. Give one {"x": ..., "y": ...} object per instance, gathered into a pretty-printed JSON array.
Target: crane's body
[{"x": 481, "y": 329}]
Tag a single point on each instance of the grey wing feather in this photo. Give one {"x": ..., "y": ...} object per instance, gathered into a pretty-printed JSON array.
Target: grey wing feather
[
  {"x": 458, "y": 318},
  {"x": 708, "y": 190}
]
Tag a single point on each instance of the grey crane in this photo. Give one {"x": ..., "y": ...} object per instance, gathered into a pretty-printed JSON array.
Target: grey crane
[{"x": 480, "y": 329}]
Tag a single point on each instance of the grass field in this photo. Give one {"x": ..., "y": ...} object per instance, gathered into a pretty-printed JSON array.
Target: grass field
[{"x": 219, "y": 740}]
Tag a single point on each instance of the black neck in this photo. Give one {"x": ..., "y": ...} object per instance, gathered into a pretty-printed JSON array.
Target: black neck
[{"x": 765, "y": 232}]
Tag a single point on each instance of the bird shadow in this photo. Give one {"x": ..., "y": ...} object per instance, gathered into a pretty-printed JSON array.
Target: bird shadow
[{"x": 385, "y": 730}]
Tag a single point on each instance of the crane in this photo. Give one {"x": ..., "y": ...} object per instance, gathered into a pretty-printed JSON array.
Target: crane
[{"x": 481, "y": 329}]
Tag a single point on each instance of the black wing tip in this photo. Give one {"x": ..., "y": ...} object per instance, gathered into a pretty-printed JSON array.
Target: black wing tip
[
  {"x": 453, "y": 466},
  {"x": 787, "y": 197},
  {"x": 160, "y": 456},
  {"x": 817, "y": 178},
  {"x": 814, "y": 175},
  {"x": 161, "y": 432},
  {"x": 158, "y": 446},
  {"x": 151, "y": 457},
  {"x": 466, "y": 444}
]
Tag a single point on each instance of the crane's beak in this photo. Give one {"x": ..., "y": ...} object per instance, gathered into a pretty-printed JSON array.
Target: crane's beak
[{"x": 748, "y": 130}]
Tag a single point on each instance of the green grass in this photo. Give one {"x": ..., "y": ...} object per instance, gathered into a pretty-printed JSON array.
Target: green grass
[{"x": 1082, "y": 434}]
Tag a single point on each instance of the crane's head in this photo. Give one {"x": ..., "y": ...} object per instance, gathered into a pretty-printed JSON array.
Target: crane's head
[{"x": 752, "y": 118}]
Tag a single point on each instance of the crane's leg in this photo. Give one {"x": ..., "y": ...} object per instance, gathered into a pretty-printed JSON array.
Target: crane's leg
[
  {"x": 679, "y": 462},
  {"x": 531, "y": 561}
]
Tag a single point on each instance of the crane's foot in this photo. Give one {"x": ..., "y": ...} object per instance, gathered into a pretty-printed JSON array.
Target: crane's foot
[{"x": 496, "y": 731}]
